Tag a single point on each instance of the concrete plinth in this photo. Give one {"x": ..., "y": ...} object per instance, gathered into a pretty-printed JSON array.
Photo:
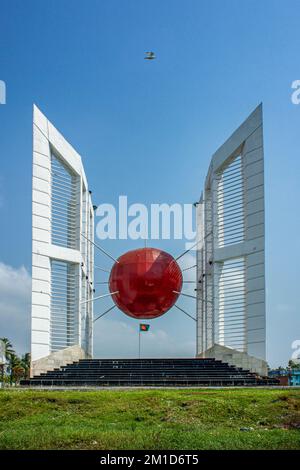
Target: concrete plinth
[
  {"x": 237, "y": 358},
  {"x": 57, "y": 359}
]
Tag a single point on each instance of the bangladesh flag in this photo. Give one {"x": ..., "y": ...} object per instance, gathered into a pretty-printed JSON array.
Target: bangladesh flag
[{"x": 144, "y": 327}]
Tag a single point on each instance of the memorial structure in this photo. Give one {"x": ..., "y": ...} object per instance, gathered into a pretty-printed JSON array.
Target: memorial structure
[
  {"x": 231, "y": 322},
  {"x": 62, "y": 251},
  {"x": 145, "y": 283}
]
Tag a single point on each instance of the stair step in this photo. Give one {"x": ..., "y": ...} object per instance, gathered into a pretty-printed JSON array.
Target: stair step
[{"x": 147, "y": 372}]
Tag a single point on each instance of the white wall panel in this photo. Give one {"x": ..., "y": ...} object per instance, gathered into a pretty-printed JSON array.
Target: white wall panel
[
  {"x": 47, "y": 139},
  {"x": 245, "y": 233}
]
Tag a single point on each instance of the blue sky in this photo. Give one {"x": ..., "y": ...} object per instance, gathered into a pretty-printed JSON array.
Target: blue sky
[{"x": 148, "y": 129}]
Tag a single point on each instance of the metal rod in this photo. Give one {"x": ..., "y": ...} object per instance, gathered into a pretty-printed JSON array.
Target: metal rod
[
  {"x": 186, "y": 295},
  {"x": 101, "y": 269},
  {"x": 104, "y": 313},
  {"x": 99, "y": 297},
  {"x": 186, "y": 251},
  {"x": 194, "y": 266},
  {"x": 99, "y": 248},
  {"x": 181, "y": 309}
]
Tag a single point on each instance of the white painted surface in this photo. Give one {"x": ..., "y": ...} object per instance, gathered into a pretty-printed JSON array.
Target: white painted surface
[
  {"x": 246, "y": 141},
  {"x": 45, "y": 138}
]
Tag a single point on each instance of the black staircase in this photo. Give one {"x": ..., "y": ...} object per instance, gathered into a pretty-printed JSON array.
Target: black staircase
[{"x": 148, "y": 372}]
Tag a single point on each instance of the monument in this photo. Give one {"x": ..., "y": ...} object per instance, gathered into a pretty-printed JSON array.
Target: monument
[
  {"x": 231, "y": 322},
  {"x": 145, "y": 283},
  {"x": 62, "y": 251}
]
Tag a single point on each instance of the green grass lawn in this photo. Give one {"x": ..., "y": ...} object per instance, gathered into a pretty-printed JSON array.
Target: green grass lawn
[{"x": 150, "y": 419}]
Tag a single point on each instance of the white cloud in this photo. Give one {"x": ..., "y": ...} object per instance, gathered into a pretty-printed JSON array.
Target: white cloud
[
  {"x": 15, "y": 291},
  {"x": 113, "y": 338}
]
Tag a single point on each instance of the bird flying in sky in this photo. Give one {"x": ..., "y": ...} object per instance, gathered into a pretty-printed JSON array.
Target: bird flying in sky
[{"x": 150, "y": 55}]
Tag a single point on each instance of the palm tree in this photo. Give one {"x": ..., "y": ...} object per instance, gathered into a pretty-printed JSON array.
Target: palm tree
[
  {"x": 8, "y": 348},
  {"x": 25, "y": 364},
  {"x": 17, "y": 373},
  {"x": 8, "y": 353},
  {"x": 14, "y": 365}
]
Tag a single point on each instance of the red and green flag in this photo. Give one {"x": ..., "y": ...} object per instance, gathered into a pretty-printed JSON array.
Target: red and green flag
[{"x": 144, "y": 327}]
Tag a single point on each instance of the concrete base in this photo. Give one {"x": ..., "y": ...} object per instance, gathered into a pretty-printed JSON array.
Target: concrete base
[
  {"x": 57, "y": 359},
  {"x": 237, "y": 358}
]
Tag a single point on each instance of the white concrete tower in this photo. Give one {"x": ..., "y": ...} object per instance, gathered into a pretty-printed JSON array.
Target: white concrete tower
[
  {"x": 231, "y": 254},
  {"x": 62, "y": 259}
]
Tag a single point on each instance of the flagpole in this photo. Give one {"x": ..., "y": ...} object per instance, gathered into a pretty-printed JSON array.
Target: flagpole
[{"x": 139, "y": 342}]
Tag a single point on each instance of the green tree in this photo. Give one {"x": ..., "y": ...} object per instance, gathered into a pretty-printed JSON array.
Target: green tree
[
  {"x": 25, "y": 363},
  {"x": 14, "y": 362},
  {"x": 16, "y": 367},
  {"x": 17, "y": 373},
  {"x": 8, "y": 353},
  {"x": 8, "y": 348},
  {"x": 294, "y": 365}
]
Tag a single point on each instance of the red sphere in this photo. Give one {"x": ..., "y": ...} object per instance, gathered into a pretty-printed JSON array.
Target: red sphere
[{"x": 145, "y": 280}]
